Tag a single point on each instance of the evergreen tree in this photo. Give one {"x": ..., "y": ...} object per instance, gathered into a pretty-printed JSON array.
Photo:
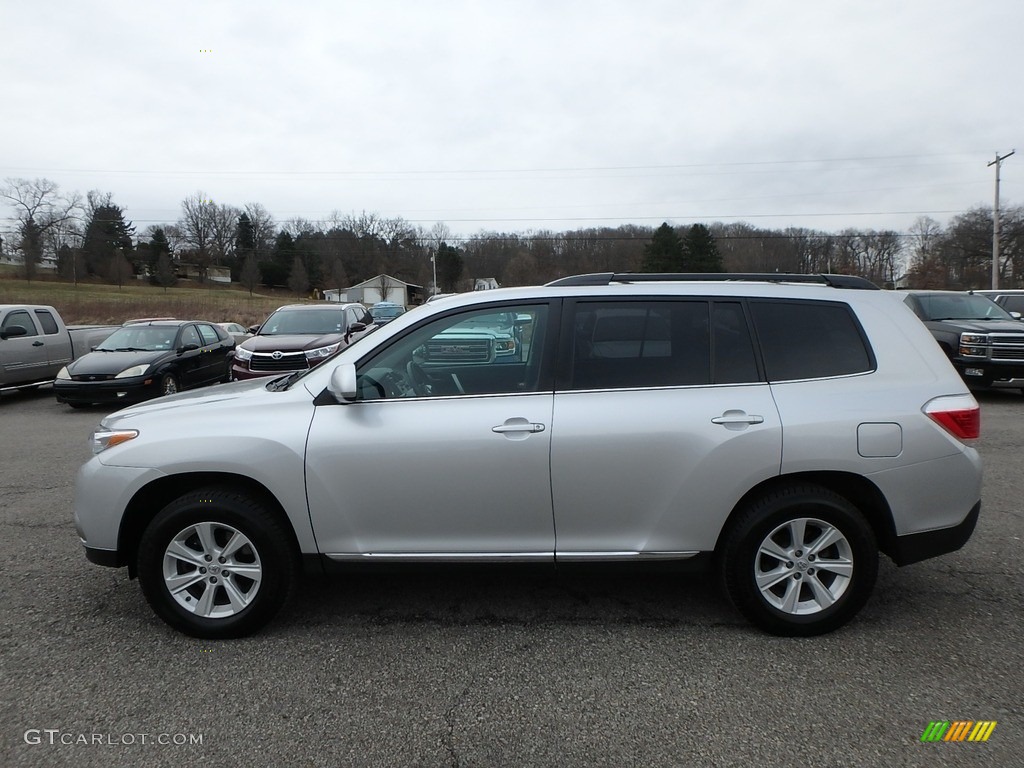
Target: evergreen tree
[
  {"x": 275, "y": 270},
  {"x": 106, "y": 231},
  {"x": 31, "y": 247},
  {"x": 449, "y": 267},
  {"x": 665, "y": 252},
  {"x": 164, "y": 273},
  {"x": 245, "y": 246},
  {"x": 701, "y": 251}
]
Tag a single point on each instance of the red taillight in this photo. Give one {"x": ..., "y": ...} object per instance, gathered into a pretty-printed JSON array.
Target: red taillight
[{"x": 957, "y": 414}]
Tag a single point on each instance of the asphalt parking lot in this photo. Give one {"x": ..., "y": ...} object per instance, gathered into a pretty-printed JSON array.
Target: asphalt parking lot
[{"x": 493, "y": 667}]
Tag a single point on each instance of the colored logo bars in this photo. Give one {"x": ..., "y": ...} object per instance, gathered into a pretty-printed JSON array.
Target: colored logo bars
[{"x": 958, "y": 730}]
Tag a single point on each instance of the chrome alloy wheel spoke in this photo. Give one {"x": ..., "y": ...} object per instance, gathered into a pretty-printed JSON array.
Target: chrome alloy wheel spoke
[
  {"x": 212, "y": 570},
  {"x": 803, "y": 566}
]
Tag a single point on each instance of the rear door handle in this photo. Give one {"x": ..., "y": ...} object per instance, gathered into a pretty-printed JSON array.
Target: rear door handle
[{"x": 519, "y": 427}]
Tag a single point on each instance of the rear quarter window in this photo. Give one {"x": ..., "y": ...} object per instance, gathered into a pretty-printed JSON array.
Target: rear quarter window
[{"x": 810, "y": 339}]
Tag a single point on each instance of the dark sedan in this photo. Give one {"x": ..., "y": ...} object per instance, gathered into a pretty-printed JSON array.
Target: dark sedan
[{"x": 146, "y": 360}]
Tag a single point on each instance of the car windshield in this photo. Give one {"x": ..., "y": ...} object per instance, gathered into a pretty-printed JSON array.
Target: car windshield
[
  {"x": 961, "y": 307},
  {"x": 386, "y": 313},
  {"x": 304, "y": 321},
  {"x": 143, "y": 338}
]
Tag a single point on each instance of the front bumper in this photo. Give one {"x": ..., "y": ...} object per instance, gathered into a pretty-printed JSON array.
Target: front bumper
[
  {"x": 130, "y": 390},
  {"x": 916, "y": 547}
]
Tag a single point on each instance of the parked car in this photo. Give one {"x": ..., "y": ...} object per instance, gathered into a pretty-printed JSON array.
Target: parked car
[
  {"x": 643, "y": 424},
  {"x": 1012, "y": 300},
  {"x": 147, "y": 359},
  {"x": 35, "y": 344},
  {"x": 299, "y": 336},
  {"x": 984, "y": 342},
  {"x": 237, "y": 331},
  {"x": 385, "y": 311}
]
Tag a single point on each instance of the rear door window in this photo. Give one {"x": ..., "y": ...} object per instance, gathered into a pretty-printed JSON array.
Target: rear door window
[
  {"x": 626, "y": 344},
  {"x": 47, "y": 322},
  {"x": 810, "y": 339}
]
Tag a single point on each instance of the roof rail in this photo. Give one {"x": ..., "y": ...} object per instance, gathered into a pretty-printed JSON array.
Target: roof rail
[{"x": 606, "y": 278}]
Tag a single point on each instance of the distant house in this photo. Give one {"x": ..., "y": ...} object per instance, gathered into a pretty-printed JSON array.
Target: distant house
[
  {"x": 485, "y": 284},
  {"x": 379, "y": 288},
  {"x": 191, "y": 271}
]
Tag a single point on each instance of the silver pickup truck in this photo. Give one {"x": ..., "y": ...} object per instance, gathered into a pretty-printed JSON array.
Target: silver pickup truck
[{"x": 35, "y": 344}]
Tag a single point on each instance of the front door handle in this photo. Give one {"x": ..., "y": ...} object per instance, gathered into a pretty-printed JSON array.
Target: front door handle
[
  {"x": 737, "y": 419},
  {"x": 37, "y": 343}
]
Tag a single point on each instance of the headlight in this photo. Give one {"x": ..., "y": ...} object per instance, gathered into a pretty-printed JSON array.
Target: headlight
[
  {"x": 322, "y": 352},
  {"x": 102, "y": 439},
  {"x": 63, "y": 374},
  {"x": 242, "y": 354},
  {"x": 973, "y": 345},
  {"x": 135, "y": 370}
]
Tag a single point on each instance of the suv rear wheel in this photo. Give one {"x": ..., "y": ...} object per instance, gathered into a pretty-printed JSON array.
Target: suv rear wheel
[
  {"x": 799, "y": 561},
  {"x": 216, "y": 564}
]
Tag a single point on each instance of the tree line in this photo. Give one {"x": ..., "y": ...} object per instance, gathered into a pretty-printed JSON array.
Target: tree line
[{"x": 89, "y": 237}]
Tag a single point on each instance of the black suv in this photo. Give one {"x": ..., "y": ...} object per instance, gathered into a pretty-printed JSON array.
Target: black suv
[{"x": 983, "y": 340}]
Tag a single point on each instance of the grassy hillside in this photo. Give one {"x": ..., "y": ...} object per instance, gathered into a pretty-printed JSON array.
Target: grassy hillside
[{"x": 102, "y": 304}]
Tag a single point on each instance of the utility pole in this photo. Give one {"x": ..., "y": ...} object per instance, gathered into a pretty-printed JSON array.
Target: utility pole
[{"x": 995, "y": 221}]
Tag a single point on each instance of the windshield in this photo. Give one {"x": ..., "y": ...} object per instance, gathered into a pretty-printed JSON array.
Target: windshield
[
  {"x": 145, "y": 338},
  {"x": 314, "y": 322},
  {"x": 965, "y": 306},
  {"x": 386, "y": 313}
]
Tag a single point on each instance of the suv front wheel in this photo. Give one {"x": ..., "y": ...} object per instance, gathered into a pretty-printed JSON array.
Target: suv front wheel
[
  {"x": 215, "y": 563},
  {"x": 799, "y": 561}
]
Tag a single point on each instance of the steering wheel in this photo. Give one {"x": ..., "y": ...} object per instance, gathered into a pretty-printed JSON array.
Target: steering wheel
[{"x": 418, "y": 378}]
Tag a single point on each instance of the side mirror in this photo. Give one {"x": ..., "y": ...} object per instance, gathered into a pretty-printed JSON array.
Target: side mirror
[
  {"x": 187, "y": 348},
  {"x": 14, "y": 330},
  {"x": 1016, "y": 315},
  {"x": 342, "y": 385},
  {"x": 254, "y": 329},
  {"x": 354, "y": 328}
]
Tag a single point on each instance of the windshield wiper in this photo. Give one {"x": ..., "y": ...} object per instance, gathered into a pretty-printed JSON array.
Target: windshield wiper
[
  {"x": 276, "y": 385},
  {"x": 128, "y": 349}
]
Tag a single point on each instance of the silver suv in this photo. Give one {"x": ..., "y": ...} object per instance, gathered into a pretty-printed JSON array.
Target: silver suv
[{"x": 782, "y": 430}]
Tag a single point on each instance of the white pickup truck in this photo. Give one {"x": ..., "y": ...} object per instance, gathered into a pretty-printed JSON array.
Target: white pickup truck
[{"x": 35, "y": 344}]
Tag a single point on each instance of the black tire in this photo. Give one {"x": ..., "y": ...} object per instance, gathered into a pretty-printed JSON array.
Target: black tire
[
  {"x": 804, "y": 594},
  {"x": 217, "y": 514},
  {"x": 169, "y": 384},
  {"x": 79, "y": 405}
]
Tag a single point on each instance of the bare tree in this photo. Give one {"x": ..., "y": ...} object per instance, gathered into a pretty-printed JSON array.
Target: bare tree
[
  {"x": 250, "y": 274},
  {"x": 383, "y": 285},
  {"x": 195, "y": 229},
  {"x": 224, "y": 225},
  {"x": 298, "y": 279},
  {"x": 338, "y": 274},
  {"x": 120, "y": 269},
  {"x": 40, "y": 209},
  {"x": 263, "y": 229}
]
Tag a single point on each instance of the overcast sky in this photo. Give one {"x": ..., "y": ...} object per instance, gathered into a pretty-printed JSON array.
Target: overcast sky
[{"x": 522, "y": 115}]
